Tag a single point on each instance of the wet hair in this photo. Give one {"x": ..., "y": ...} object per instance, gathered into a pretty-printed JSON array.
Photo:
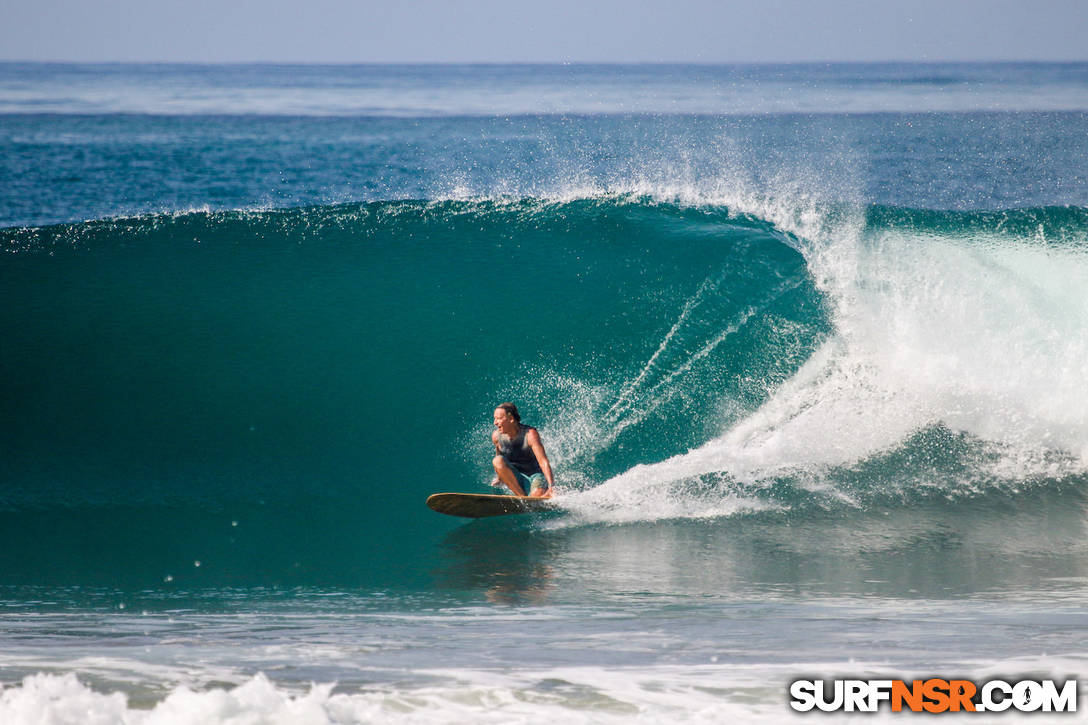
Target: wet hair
[{"x": 511, "y": 410}]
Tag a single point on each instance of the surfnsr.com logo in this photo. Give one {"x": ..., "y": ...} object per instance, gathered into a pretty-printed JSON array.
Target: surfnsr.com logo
[{"x": 933, "y": 695}]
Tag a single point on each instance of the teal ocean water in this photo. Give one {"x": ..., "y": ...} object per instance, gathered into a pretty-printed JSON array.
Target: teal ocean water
[{"x": 806, "y": 346}]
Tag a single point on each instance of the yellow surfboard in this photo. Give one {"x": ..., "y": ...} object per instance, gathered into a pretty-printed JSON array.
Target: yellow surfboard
[{"x": 479, "y": 505}]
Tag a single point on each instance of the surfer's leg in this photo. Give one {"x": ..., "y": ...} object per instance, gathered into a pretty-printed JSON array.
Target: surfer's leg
[
  {"x": 538, "y": 486},
  {"x": 507, "y": 475}
]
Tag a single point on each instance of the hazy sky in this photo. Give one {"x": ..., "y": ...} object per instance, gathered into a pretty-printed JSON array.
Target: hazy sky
[{"x": 342, "y": 31}]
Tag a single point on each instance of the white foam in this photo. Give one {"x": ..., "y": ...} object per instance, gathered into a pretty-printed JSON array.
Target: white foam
[{"x": 699, "y": 693}]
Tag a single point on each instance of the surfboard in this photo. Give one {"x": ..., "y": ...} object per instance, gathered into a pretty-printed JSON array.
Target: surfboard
[{"x": 479, "y": 505}]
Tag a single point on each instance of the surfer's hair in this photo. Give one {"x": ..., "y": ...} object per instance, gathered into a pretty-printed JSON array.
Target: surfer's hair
[{"x": 511, "y": 410}]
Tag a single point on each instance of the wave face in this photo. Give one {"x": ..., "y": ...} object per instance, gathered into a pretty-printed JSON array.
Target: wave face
[{"x": 204, "y": 386}]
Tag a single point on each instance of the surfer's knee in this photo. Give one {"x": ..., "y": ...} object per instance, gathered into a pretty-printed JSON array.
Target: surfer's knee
[{"x": 499, "y": 463}]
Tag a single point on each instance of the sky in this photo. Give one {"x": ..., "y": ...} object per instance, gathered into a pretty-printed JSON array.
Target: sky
[{"x": 504, "y": 31}]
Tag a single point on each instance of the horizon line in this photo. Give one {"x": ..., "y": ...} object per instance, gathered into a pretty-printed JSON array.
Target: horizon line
[{"x": 559, "y": 63}]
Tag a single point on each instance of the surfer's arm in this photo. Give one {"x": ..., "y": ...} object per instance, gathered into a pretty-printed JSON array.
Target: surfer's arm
[{"x": 533, "y": 439}]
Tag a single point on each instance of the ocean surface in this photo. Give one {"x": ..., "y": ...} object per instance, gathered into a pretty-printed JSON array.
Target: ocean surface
[{"x": 807, "y": 346}]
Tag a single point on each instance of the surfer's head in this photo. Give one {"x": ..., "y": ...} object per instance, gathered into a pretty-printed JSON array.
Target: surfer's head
[
  {"x": 511, "y": 410},
  {"x": 507, "y": 419}
]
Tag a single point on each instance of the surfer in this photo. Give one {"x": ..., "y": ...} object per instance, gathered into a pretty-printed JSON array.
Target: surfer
[{"x": 521, "y": 463}]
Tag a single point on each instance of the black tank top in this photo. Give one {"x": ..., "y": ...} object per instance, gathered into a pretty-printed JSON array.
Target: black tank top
[{"x": 518, "y": 453}]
